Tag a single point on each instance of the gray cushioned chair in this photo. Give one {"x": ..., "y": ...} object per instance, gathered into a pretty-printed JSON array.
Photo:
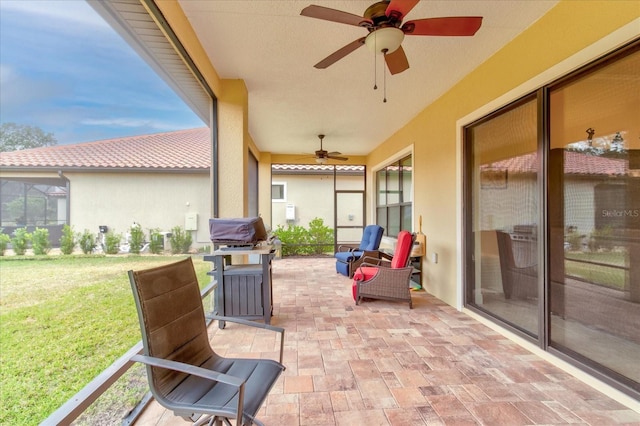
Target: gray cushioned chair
[{"x": 185, "y": 374}]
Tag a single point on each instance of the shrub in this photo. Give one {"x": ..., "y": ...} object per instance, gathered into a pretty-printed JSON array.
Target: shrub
[
  {"x": 67, "y": 240},
  {"x": 40, "y": 241},
  {"x": 112, "y": 242},
  {"x": 602, "y": 239},
  {"x": 87, "y": 242},
  {"x": 294, "y": 239},
  {"x": 297, "y": 240},
  {"x": 156, "y": 241},
  {"x": 180, "y": 240},
  {"x": 318, "y": 235},
  {"x": 136, "y": 240},
  {"x": 4, "y": 242},
  {"x": 20, "y": 240}
]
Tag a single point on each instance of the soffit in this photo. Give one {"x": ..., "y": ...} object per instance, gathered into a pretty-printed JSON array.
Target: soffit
[{"x": 136, "y": 25}]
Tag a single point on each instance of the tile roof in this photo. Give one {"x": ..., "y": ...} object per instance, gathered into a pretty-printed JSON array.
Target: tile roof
[
  {"x": 316, "y": 167},
  {"x": 574, "y": 163},
  {"x": 188, "y": 150}
]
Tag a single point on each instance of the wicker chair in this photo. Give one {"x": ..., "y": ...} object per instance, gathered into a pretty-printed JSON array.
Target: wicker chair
[
  {"x": 185, "y": 374},
  {"x": 383, "y": 279},
  {"x": 349, "y": 258}
]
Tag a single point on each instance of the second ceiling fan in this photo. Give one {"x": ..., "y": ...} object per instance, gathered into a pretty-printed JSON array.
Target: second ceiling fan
[
  {"x": 383, "y": 20},
  {"x": 322, "y": 155}
]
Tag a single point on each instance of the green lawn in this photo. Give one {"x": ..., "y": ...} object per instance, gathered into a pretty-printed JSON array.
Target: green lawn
[
  {"x": 598, "y": 274},
  {"x": 63, "y": 320}
]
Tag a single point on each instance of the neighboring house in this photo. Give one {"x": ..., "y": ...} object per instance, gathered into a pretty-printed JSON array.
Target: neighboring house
[
  {"x": 588, "y": 179},
  {"x": 303, "y": 192},
  {"x": 157, "y": 181}
]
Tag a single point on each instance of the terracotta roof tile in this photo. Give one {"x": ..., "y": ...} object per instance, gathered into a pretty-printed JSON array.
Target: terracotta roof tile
[
  {"x": 183, "y": 150},
  {"x": 575, "y": 164},
  {"x": 316, "y": 167}
]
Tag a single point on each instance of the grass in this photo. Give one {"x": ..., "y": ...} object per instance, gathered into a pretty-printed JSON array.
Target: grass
[
  {"x": 63, "y": 320},
  {"x": 598, "y": 274}
]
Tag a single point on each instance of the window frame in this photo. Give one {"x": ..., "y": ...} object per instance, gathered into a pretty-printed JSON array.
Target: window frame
[
  {"x": 401, "y": 206},
  {"x": 284, "y": 192}
]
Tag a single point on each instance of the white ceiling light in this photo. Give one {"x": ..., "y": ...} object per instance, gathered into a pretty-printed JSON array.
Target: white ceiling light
[
  {"x": 384, "y": 40},
  {"x": 321, "y": 160}
]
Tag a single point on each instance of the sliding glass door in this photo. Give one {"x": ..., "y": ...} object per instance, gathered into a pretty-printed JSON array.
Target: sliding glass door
[
  {"x": 594, "y": 212},
  {"x": 552, "y": 217},
  {"x": 503, "y": 223}
]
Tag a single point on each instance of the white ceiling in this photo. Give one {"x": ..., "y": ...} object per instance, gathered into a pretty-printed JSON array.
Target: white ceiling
[{"x": 273, "y": 49}]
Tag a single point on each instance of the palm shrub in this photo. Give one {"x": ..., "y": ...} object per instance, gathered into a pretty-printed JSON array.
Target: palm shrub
[
  {"x": 180, "y": 240},
  {"x": 4, "y": 242},
  {"x": 112, "y": 242},
  {"x": 67, "y": 240},
  {"x": 40, "y": 241},
  {"x": 20, "y": 240},
  {"x": 87, "y": 242},
  {"x": 137, "y": 238},
  {"x": 320, "y": 237},
  {"x": 155, "y": 241}
]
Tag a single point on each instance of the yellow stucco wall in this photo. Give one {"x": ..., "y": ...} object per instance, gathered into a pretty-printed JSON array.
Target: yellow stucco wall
[{"x": 567, "y": 29}]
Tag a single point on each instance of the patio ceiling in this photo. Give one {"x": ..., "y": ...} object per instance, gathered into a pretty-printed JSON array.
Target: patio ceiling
[{"x": 273, "y": 49}]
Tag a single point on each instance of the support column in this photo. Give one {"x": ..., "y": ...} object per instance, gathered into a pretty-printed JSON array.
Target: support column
[{"x": 233, "y": 145}]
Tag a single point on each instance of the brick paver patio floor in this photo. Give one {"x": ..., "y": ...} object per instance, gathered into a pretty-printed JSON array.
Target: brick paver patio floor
[{"x": 381, "y": 363}]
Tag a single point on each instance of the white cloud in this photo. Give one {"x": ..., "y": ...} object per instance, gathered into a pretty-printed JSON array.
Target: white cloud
[
  {"x": 62, "y": 12},
  {"x": 19, "y": 91},
  {"x": 129, "y": 122}
]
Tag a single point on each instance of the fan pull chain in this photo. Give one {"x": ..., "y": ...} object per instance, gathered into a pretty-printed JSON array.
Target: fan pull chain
[
  {"x": 375, "y": 62},
  {"x": 384, "y": 75}
]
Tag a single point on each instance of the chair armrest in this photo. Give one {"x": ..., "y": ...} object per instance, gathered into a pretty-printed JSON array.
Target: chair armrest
[
  {"x": 373, "y": 254},
  {"x": 346, "y": 248},
  {"x": 189, "y": 369},
  {"x": 253, "y": 324},
  {"x": 373, "y": 261}
]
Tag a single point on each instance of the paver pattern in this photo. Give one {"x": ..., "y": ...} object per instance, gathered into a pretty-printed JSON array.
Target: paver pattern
[{"x": 382, "y": 363}]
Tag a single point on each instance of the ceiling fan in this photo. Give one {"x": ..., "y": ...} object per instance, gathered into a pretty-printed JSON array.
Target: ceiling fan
[
  {"x": 383, "y": 20},
  {"x": 323, "y": 156}
]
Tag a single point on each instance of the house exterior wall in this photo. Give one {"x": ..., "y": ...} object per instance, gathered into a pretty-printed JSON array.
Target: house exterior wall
[
  {"x": 153, "y": 200},
  {"x": 529, "y": 61},
  {"x": 313, "y": 196}
]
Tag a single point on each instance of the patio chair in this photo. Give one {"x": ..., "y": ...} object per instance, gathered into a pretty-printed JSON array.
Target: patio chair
[
  {"x": 349, "y": 258},
  {"x": 185, "y": 374},
  {"x": 383, "y": 279}
]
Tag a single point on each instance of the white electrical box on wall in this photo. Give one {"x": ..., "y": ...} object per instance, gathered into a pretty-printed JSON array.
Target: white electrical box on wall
[
  {"x": 290, "y": 212},
  {"x": 191, "y": 222}
]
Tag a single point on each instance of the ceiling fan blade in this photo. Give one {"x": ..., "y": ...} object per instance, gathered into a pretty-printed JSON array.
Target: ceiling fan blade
[
  {"x": 334, "y": 153},
  {"x": 399, "y": 8},
  {"x": 336, "y": 157},
  {"x": 397, "y": 61},
  {"x": 449, "y": 26},
  {"x": 340, "y": 53},
  {"x": 333, "y": 15}
]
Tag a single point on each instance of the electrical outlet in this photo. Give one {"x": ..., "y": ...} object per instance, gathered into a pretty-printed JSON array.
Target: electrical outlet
[{"x": 434, "y": 257}]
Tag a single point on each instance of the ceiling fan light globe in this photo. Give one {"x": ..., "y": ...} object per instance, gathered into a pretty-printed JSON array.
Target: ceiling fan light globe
[
  {"x": 321, "y": 160},
  {"x": 386, "y": 40}
]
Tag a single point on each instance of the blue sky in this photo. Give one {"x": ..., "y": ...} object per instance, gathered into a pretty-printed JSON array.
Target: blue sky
[{"x": 63, "y": 69}]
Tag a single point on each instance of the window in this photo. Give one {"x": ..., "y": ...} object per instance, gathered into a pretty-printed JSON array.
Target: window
[
  {"x": 394, "y": 197},
  {"x": 279, "y": 191}
]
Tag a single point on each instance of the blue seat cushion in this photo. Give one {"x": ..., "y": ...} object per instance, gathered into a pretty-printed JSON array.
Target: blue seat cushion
[{"x": 343, "y": 258}]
